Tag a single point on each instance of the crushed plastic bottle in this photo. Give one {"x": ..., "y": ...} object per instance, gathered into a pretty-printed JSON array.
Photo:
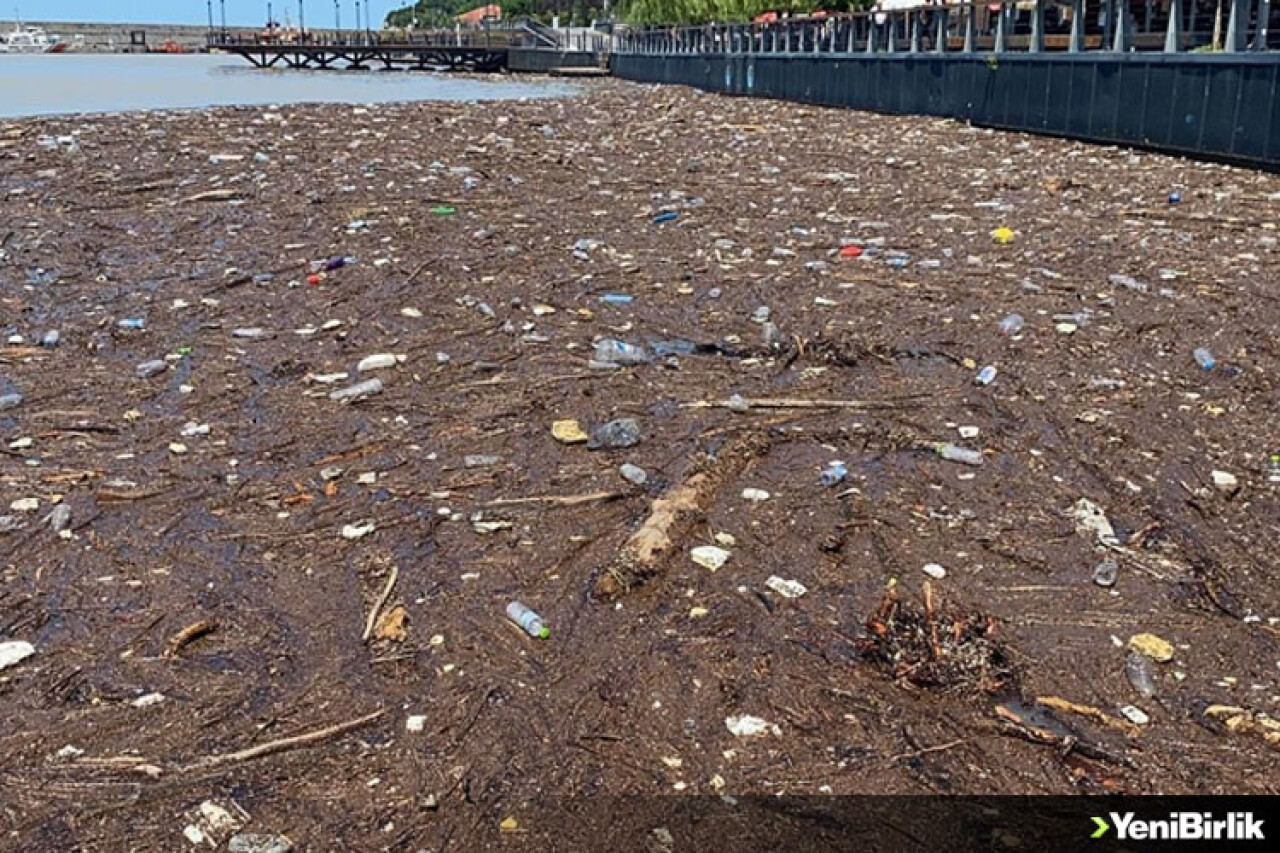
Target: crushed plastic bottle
[
  {"x": 8, "y": 401},
  {"x": 1204, "y": 358},
  {"x": 611, "y": 351},
  {"x": 1137, "y": 669},
  {"x": 528, "y": 620},
  {"x": 151, "y": 368},
  {"x": 623, "y": 432},
  {"x": 132, "y": 323},
  {"x": 633, "y": 474},
  {"x": 986, "y": 376},
  {"x": 1011, "y": 325},
  {"x": 51, "y": 338},
  {"x": 617, "y": 298},
  {"x": 834, "y": 473},
  {"x": 954, "y": 453},
  {"x": 358, "y": 391},
  {"x": 669, "y": 216}
]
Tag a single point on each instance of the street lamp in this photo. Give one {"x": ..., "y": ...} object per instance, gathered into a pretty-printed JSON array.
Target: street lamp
[
  {"x": 337, "y": 15},
  {"x": 358, "y": 16},
  {"x": 302, "y": 25}
]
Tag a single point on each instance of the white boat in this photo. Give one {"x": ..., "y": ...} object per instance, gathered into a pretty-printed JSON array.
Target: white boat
[{"x": 30, "y": 40}]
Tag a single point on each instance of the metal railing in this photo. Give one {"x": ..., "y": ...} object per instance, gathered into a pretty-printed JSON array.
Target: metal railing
[{"x": 1031, "y": 26}]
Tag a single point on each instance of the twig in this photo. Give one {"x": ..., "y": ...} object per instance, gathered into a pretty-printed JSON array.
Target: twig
[
  {"x": 928, "y": 749},
  {"x": 187, "y": 635},
  {"x": 557, "y": 500},
  {"x": 284, "y": 744},
  {"x": 792, "y": 403},
  {"x": 377, "y": 607}
]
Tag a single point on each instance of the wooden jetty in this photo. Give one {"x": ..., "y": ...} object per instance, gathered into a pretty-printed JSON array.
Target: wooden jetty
[{"x": 444, "y": 52}]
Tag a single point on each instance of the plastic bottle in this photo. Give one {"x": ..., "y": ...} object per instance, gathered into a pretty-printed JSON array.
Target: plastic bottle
[
  {"x": 51, "y": 338},
  {"x": 669, "y": 216},
  {"x": 624, "y": 432},
  {"x": 1204, "y": 358},
  {"x": 954, "y": 453},
  {"x": 1138, "y": 670},
  {"x": 1011, "y": 325},
  {"x": 834, "y": 473},
  {"x": 986, "y": 376},
  {"x": 151, "y": 368},
  {"x": 1175, "y": 197},
  {"x": 1273, "y": 466},
  {"x": 611, "y": 351},
  {"x": 338, "y": 263},
  {"x": 132, "y": 323},
  {"x": 617, "y": 298},
  {"x": 528, "y": 620},
  {"x": 8, "y": 401}
]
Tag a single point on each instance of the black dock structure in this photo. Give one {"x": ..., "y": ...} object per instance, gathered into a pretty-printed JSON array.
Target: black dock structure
[{"x": 1192, "y": 77}]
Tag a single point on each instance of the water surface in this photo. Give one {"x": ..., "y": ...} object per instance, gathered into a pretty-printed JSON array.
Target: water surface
[{"x": 90, "y": 83}]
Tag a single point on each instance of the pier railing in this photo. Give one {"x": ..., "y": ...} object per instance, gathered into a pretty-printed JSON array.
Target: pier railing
[{"x": 1030, "y": 26}]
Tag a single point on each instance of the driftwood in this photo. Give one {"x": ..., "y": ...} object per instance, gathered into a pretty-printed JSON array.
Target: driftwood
[
  {"x": 379, "y": 604},
  {"x": 640, "y": 557}
]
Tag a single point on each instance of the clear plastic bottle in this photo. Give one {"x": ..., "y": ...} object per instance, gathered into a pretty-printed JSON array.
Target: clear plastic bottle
[
  {"x": 1204, "y": 358},
  {"x": 529, "y": 621},
  {"x": 834, "y": 473},
  {"x": 954, "y": 453},
  {"x": 132, "y": 323},
  {"x": 611, "y": 351},
  {"x": 1011, "y": 325}
]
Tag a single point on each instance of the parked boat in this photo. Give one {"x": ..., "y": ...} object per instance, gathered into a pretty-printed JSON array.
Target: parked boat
[{"x": 30, "y": 40}]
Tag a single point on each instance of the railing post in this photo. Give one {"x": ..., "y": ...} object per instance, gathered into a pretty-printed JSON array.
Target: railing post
[
  {"x": 1037, "y": 28},
  {"x": 816, "y": 29},
  {"x": 871, "y": 35},
  {"x": 852, "y": 30},
  {"x": 892, "y": 42},
  {"x": 1173, "y": 33},
  {"x": 1264, "y": 19},
  {"x": 1124, "y": 28},
  {"x": 970, "y": 25},
  {"x": 1237, "y": 26},
  {"x": 1001, "y": 38},
  {"x": 940, "y": 30},
  {"x": 915, "y": 31},
  {"x": 1075, "y": 43}
]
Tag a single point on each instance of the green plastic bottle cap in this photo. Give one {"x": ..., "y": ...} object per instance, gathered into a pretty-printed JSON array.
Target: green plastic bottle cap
[{"x": 544, "y": 633}]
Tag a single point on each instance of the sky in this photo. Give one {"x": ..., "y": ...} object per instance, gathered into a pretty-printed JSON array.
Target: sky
[{"x": 239, "y": 12}]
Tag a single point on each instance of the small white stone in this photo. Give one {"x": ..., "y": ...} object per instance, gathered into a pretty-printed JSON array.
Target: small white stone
[
  {"x": 755, "y": 495},
  {"x": 969, "y": 432},
  {"x": 1224, "y": 481},
  {"x": 709, "y": 556},
  {"x": 356, "y": 531},
  {"x": 416, "y": 723},
  {"x": 411, "y": 312},
  {"x": 1135, "y": 715},
  {"x": 786, "y": 588},
  {"x": 935, "y": 571},
  {"x": 148, "y": 700},
  {"x": 25, "y": 505},
  {"x": 14, "y": 651},
  {"x": 177, "y": 448}
]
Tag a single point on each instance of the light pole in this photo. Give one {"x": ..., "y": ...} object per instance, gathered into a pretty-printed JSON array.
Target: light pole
[
  {"x": 210, "y": 18},
  {"x": 337, "y": 15},
  {"x": 302, "y": 26},
  {"x": 358, "y": 20},
  {"x": 222, "y": 9}
]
